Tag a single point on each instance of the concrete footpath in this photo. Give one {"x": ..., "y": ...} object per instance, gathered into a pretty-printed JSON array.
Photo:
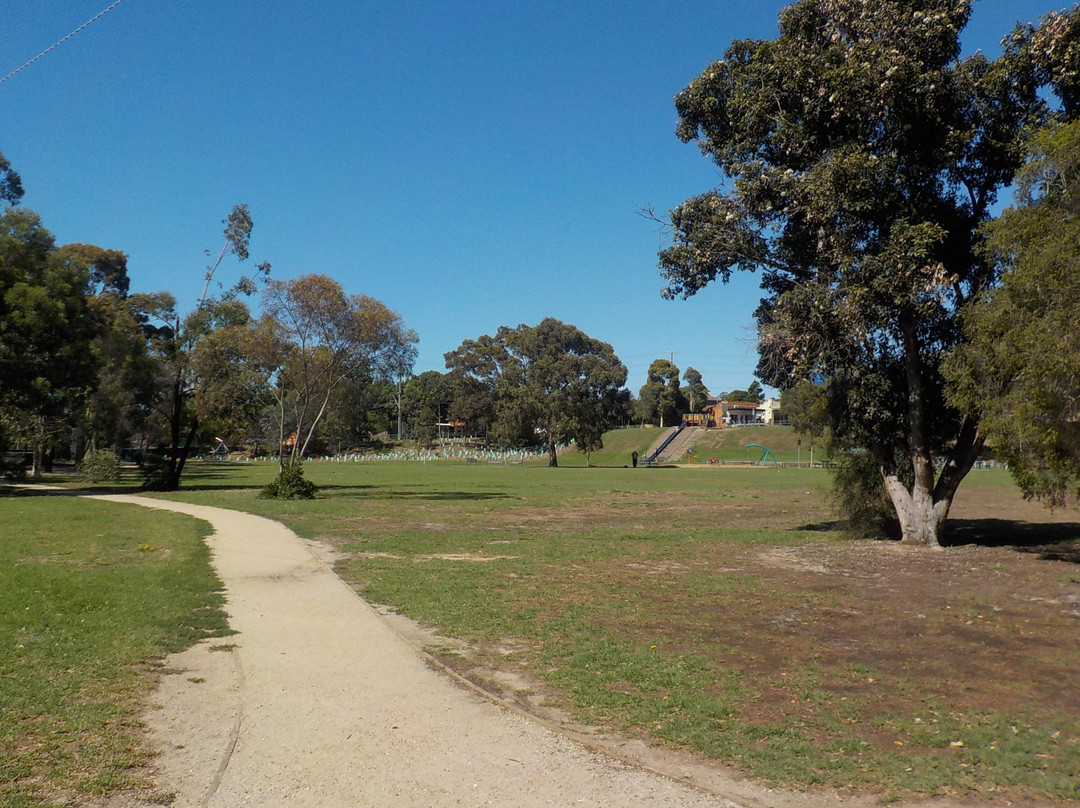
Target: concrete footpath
[{"x": 317, "y": 702}]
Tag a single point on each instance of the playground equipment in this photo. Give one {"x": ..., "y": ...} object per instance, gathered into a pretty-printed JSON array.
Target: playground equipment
[{"x": 765, "y": 457}]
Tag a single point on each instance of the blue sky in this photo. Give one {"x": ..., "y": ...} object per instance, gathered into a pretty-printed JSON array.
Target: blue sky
[{"x": 470, "y": 164}]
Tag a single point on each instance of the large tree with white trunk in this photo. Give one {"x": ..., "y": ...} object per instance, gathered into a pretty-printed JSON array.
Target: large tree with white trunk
[{"x": 861, "y": 154}]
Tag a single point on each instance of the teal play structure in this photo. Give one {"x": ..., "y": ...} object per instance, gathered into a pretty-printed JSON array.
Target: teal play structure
[{"x": 766, "y": 456}]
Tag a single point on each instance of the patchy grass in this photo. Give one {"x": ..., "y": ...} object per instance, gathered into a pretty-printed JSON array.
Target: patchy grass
[
  {"x": 721, "y": 612},
  {"x": 92, "y": 595}
]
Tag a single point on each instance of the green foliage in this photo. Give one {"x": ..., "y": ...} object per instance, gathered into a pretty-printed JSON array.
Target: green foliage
[
  {"x": 11, "y": 189},
  {"x": 290, "y": 484},
  {"x": 859, "y": 496},
  {"x": 99, "y": 466},
  {"x": 46, "y": 364},
  {"x": 1020, "y": 369},
  {"x": 316, "y": 339},
  {"x": 156, "y": 474},
  {"x": 425, "y": 401},
  {"x": 695, "y": 391},
  {"x": 173, "y": 341},
  {"x": 806, "y": 406},
  {"x": 11, "y": 470},
  {"x": 128, "y": 384},
  {"x": 661, "y": 397},
  {"x": 550, "y": 381}
]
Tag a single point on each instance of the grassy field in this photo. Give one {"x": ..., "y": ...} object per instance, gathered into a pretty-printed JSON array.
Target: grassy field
[
  {"x": 92, "y": 596},
  {"x": 720, "y": 611}
]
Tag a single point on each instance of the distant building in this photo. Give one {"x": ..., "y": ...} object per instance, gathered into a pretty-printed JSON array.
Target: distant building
[
  {"x": 742, "y": 413},
  {"x": 771, "y": 408}
]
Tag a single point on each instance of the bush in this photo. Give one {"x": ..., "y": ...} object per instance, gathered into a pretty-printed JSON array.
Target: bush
[
  {"x": 155, "y": 472},
  {"x": 290, "y": 484},
  {"x": 861, "y": 496},
  {"x": 99, "y": 466},
  {"x": 12, "y": 470}
]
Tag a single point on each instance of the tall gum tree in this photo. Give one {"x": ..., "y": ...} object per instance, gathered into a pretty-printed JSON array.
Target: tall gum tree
[
  {"x": 696, "y": 391},
  {"x": 661, "y": 393},
  {"x": 174, "y": 338},
  {"x": 550, "y": 381},
  {"x": 320, "y": 338},
  {"x": 861, "y": 155},
  {"x": 47, "y": 366}
]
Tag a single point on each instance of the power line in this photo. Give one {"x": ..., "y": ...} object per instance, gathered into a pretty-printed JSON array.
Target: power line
[{"x": 60, "y": 42}]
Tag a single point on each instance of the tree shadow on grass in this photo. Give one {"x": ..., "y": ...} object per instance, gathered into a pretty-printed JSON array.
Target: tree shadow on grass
[
  {"x": 109, "y": 490},
  {"x": 1059, "y": 541},
  {"x": 823, "y": 527},
  {"x": 443, "y": 496}
]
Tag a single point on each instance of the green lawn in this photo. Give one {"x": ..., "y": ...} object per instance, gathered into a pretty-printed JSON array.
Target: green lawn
[{"x": 92, "y": 596}]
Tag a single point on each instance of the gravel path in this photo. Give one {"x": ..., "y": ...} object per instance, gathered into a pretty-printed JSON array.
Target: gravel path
[{"x": 320, "y": 703}]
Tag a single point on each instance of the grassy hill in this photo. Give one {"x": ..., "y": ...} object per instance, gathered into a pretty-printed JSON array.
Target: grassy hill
[
  {"x": 723, "y": 444},
  {"x": 730, "y": 444},
  {"x": 618, "y": 444}
]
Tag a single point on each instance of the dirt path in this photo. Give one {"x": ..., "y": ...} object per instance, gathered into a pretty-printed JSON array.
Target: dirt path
[{"x": 317, "y": 702}]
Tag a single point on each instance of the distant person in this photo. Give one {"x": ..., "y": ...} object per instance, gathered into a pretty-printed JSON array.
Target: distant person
[{"x": 633, "y": 458}]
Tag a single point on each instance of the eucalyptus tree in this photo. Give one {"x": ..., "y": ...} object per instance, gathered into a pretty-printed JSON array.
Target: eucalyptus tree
[
  {"x": 124, "y": 391},
  {"x": 72, "y": 360},
  {"x": 47, "y": 365},
  {"x": 426, "y": 401},
  {"x": 695, "y": 390},
  {"x": 316, "y": 338},
  {"x": 661, "y": 395},
  {"x": 174, "y": 337},
  {"x": 862, "y": 154},
  {"x": 806, "y": 408},
  {"x": 11, "y": 188},
  {"x": 550, "y": 383}
]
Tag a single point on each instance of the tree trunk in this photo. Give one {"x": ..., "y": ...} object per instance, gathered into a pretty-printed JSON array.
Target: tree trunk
[
  {"x": 38, "y": 461},
  {"x": 921, "y": 523},
  {"x": 553, "y": 455},
  {"x": 171, "y": 479},
  {"x": 178, "y": 449},
  {"x": 173, "y": 483},
  {"x": 921, "y": 514},
  {"x": 923, "y": 510},
  {"x": 922, "y": 519}
]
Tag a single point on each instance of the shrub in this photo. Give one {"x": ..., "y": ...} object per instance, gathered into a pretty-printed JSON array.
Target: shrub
[
  {"x": 860, "y": 494},
  {"x": 12, "y": 470},
  {"x": 155, "y": 472},
  {"x": 290, "y": 484},
  {"x": 99, "y": 466}
]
